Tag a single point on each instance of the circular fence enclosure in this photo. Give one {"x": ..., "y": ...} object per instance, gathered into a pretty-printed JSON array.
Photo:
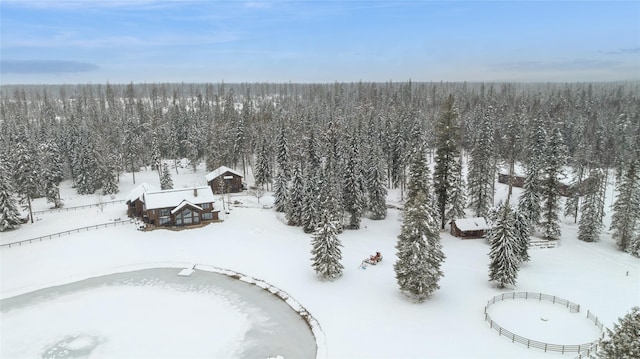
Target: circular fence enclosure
[{"x": 583, "y": 350}]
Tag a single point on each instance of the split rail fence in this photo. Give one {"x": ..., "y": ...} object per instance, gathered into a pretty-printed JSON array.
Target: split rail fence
[
  {"x": 63, "y": 233},
  {"x": 75, "y": 208},
  {"x": 583, "y": 349}
]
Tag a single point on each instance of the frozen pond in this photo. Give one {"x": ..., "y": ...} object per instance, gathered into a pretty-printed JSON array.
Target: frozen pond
[{"x": 153, "y": 313}]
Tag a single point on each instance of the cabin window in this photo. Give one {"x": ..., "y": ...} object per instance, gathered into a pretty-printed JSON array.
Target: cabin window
[
  {"x": 207, "y": 216},
  {"x": 205, "y": 205},
  {"x": 164, "y": 212},
  {"x": 164, "y": 220}
]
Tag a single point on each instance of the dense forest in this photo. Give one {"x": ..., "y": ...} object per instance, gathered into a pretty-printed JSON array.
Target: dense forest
[{"x": 333, "y": 150}]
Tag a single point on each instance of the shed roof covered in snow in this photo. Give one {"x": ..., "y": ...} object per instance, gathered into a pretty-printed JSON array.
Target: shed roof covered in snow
[
  {"x": 139, "y": 190},
  {"x": 471, "y": 224},
  {"x": 220, "y": 171},
  {"x": 174, "y": 197}
]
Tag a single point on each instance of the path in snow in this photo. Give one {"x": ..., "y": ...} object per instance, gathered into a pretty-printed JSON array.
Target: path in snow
[{"x": 153, "y": 313}]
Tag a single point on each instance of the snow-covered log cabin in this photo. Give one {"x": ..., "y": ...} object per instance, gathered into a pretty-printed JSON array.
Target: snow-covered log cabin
[
  {"x": 179, "y": 207},
  {"x": 135, "y": 203},
  {"x": 469, "y": 228},
  {"x": 224, "y": 180}
]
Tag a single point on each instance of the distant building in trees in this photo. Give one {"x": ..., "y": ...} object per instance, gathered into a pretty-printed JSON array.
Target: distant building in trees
[
  {"x": 469, "y": 228},
  {"x": 225, "y": 179}
]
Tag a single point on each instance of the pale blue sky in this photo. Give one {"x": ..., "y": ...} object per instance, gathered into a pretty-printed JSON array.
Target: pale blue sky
[{"x": 74, "y": 41}]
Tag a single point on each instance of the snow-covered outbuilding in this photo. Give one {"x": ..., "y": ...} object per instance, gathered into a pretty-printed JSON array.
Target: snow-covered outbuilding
[
  {"x": 135, "y": 202},
  {"x": 468, "y": 228},
  {"x": 224, "y": 180},
  {"x": 179, "y": 207}
]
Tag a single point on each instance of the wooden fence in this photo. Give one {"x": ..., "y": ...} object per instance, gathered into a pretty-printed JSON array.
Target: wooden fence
[
  {"x": 583, "y": 349},
  {"x": 60, "y": 234},
  {"x": 75, "y": 208}
]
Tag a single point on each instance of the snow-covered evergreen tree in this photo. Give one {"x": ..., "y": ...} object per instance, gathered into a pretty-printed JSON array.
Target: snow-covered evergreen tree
[
  {"x": 165, "y": 179},
  {"x": 326, "y": 249},
  {"x": 376, "y": 189},
  {"x": 555, "y": 158},
  {"x": 296, "y": 194},
  {"x": 590, "y": 224},
  {"x": 283, "y": 159},
  {"x": 50, "y": 172},
  {"x": 482, "y": 171},
  {"x": 263, "y": 174},
  {"x": 310, "y": 202},
  {"x": 353, "y": 188},
  {"x": 503, "y": 255},
  {"x": 530, "y": 200},
  {"x": 419, "y": 251},
  {"x": 458, "y": 198},
  {"x": 447, "y": 133},
  {"x": 9, "y": 213},
  {"x": 626, "y": 209},
  {"x": 418, "y": 176},
  {"x": 25, "y": 170},
  {"x": 521, "y": 229},
  {"x": 623, "y": 342},
  {"x": 281, "y": 192},
  {"x": 109, "y": 181}
]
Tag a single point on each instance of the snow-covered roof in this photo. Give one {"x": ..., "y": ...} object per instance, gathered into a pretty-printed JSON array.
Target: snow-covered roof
[
  {"x": 471, "y": 224},
  {"x": 184, "y": 204},
  {"x": 220, "y": 171},
  {"x": 174, "y": 197},
  {"x": 138, "y": 191},
  {"x": 518, "y": 169}
]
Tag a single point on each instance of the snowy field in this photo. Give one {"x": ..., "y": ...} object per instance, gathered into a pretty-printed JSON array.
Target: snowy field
[{"x": 362, "y": 314}]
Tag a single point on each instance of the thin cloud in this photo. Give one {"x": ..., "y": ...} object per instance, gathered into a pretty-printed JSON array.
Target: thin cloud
[
  {"x": 84, "y": 4},
  {"x": 563, "y": 65},
  {"x": 630, "y": 51},
  {"x": 45, "y": 66}
]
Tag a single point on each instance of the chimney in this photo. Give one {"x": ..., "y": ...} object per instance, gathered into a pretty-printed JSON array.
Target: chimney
[{"x": 195, "y": 192}]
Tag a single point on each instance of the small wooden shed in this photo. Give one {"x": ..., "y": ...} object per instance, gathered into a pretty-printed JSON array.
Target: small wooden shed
[
  {"x": 469, "y": 228},
  {"x": 224, "y": 180}
]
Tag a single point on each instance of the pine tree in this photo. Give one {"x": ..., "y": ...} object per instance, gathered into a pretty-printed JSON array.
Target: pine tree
[
  {"x": 280, "y": 192},
  {"x": 377, "y": 191},
  {"x": 353, "y": 193},
  {"x": 25, "y": 170},
  {"x": 555, "y": 160},
  {"x": 447, "y": 153},
  {"x": 623, "y": 342},
  {"x": 296, "y": 193},
  {"x": 419, "y": 250},
  {"x": 458, "y": 198},
  {"x": 590, "y": 224},
  {"x": 109, "y": 182},
  {"x": 326, "y": 249},
  {"x": 9, "y": 213},
  {"x": 521, "y": 229},
  {"x": 165, "y": 180},
  {"x": 626, "y": 209},
  {"x": 481, "y": 176},
  {"x": 310, "y": 201},
  {"x": 51, "y": 172},
  {"x": 283, "y": 159},
  {"x": 531, "y": 198},
  {"x": 504, "y": 249},
  {"x": 418, "y": 176},
  {"x": 263, "y": 174}
]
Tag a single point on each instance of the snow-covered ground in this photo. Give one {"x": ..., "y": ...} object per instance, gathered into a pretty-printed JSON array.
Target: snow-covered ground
[{"x": 362, "y": 314}]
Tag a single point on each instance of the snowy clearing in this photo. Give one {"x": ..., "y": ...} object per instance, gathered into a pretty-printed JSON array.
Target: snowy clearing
[{"x": 362, "y": 313}]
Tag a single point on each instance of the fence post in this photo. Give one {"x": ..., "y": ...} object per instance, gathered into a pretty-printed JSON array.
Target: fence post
[
  {"x": 545, "y": 347},
  {"x": 528, "y": 341},
  {"x": 526, "y": 295},
  {"x": 500, "y": 331},
  {"x": 554, "y": 300}
]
